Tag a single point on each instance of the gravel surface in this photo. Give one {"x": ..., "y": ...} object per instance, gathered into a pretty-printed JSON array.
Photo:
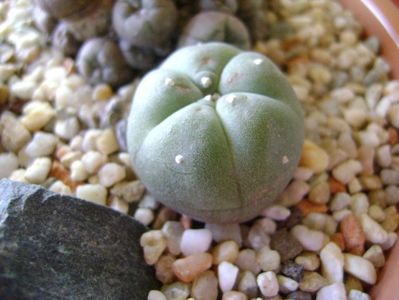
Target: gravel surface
[{"x": 340, "y": 208}]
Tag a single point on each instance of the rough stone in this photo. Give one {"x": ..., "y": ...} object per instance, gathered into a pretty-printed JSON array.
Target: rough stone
[
  {"x": 286, "y": 245},
  {"x": 54, "y": 245},
  {"x": 292, "y": 270}
]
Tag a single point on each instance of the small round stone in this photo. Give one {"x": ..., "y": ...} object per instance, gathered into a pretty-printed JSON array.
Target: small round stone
[
  {"x": 92, "y": 192},
  {"x": 195, "y": 241}
]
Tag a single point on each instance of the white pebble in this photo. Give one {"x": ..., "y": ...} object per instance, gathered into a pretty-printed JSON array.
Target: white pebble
[
  {"x": 312, "y": 240},
  {"x": 67, "y": 128},
  {"x": 375, "y": 255},
  {"x": 144, "y": 215},
  {"x": 8, "y": 163},
  {"x": 268, "y": 284},
  {"x": 23, "y": 89},
  {"x": 89, "y": 141},
  {"x": 195, "y": 241},
  {"x": 227, "y": 275},
  {"x": 156, "y": 295},
  {"x": 42, "y": 144},
  {"x": 276, "y": 212},
  {"x": 340, "y": 201},
  {"x": 18, "y": 175},
  {"x": 335, "y": 291},
  {"x": 358, "y": 295},
  {"x": 38, "y": 171},
  {"x": 332, "y": 261},
  {"x": 119, "y": 205},
  {"x": 346, "y": 171},
  {"x": 106, "y": 142},
  {"x": 111, "y": 173},
  {"x": 360, "y": 268},
  {"x": 373, "y": 231},
  {"x": 92, "y": 192},
  {"x": 93, "y": 160},
  {"x": 78, "y": 171},
  {"x": 360, "y": 203},
  {"x": 61, "y": 188},
  {"x": 268, "y": 260},
  {"x": 287, "y": 284}
]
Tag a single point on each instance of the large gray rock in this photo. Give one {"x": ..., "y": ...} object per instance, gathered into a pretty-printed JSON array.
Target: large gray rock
[{"x": 59, "y": 247}]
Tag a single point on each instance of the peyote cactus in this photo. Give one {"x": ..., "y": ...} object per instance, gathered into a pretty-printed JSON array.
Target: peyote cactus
[
  {"x": 100, "y": 60},
  {"x": 217, "y": 27},
  {"x": 64, "y": 40},
  {"x": 145, "y": 23},
  {"x": 61, "y": 9},
  {"x": 215, "y": 133},
  {"x": 228, "y": 6}
]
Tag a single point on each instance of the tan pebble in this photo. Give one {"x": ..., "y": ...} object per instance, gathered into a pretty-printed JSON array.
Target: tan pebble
[
  {"x": 366, "y": 156},
  {"x": 371, "y": 182},
  {"x": 95, "y": 193},
  {"x": 14, "y": 135},
  {"x": 37, "y": 116},
  {"x": 354, "y": 235},
  {"x": 294, "y": 193},
  {"x": 156, "y": 295},
  {"x": 320, "y": 193},
  {"x": 314, "y": 157},
  {"x": 176, "y": 291},
  {"x": 268, "y": 284},
  {"x": 390, "y": 224},
  {"x": 375, "y": 255},
  {"x": 312, "y": 282},
  {"x": 246, "y": 261},
  {"x": 119, "y": 205},
  {"x": 107, "y": 143},
  {"x": 190, "y": 267},
  {"x": 173, "y": 232},
  {"x": 361, "y": 268},
  {"x": 154, "y": 244},
  {"x": 355, "y": 186},
  {"x": 347, "y": 170},
  {"x": 165, "y": 214},
  {"x": 163, "y": 269},
  {"x": 377, "y": 213},
  {"x": 268, "y": 260},
  {"x": 129, "y": 191},
  {"x": 247, "y": 284},
  {"x": 102, "y": 92},
  {"x": 352, "y": 283},
  {"x": 309, "y": 261},
  {"x": 225, "y": 251},
  {"x": 205, "y": 287},
  {"x": 234, "y": 295}
]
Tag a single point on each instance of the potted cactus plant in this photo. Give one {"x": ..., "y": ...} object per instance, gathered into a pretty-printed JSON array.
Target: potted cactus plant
[{"x": 215, "y": 133}]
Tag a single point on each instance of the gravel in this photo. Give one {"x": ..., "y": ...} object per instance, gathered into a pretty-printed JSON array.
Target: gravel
[{"x": 62, "y": 133}]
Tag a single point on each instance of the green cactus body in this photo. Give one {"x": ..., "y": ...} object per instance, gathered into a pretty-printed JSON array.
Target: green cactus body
[{"x": 215, "y": 133}]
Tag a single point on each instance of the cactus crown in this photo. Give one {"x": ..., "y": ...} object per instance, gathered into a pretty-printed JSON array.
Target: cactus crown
[{"x": 215, "y": 133}]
